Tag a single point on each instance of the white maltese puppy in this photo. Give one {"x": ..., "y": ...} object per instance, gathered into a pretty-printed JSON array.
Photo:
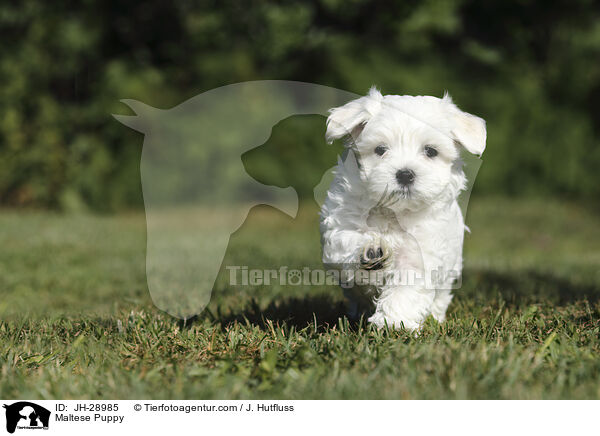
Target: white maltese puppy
[{"x": 391, "y": 222}]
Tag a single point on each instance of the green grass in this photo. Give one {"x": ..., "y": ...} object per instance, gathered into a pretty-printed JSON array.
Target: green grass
[{"x": 78, "y": 322}]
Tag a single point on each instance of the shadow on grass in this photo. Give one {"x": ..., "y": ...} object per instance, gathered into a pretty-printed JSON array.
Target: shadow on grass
[
  {"x": 519, "y": 288},
  {"x": 322, "y": 311}
]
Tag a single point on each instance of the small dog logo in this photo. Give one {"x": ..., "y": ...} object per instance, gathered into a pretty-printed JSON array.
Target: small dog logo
[{"x": 26, "y": 415}]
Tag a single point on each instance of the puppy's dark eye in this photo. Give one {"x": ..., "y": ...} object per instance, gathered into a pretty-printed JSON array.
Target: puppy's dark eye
[
  {"x": 380, "y": 150},
  {"x": 430, "y": 151}
]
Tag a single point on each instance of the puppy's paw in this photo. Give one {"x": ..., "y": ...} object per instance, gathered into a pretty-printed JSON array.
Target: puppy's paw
[
  {"x": 375, "y": 256},
  {"x": 439, "y": 316},
  {"x": 380, "y": 320}
]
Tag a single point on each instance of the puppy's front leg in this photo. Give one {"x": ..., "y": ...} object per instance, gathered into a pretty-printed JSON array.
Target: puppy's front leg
[
  {"x": 375, "y": 253},
  {"x": 350, "y": 249},
  {"x": 402, "y": 306}
]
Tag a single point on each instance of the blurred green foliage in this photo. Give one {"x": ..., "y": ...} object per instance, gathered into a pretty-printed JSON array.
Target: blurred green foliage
[{"x": 530, "y": 68}]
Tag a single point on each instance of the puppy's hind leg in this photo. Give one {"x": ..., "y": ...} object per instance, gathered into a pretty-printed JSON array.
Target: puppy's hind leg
[{"x": 359, "y": 303}]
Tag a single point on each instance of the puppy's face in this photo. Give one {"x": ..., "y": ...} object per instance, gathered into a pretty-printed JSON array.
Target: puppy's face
[
  {"x": 408, "y": 148},
  {"x": 404, "y": 159}
]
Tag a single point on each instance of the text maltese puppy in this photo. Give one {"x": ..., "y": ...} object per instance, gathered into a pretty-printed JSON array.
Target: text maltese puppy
[{"x": 391, "y": 222}]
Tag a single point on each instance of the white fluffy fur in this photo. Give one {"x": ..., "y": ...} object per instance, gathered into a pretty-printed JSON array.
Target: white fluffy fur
[{"x": 419, "y": 230}]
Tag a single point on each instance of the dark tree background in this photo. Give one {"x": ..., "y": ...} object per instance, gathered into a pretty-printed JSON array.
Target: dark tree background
[{"x": 530, "y": 68}]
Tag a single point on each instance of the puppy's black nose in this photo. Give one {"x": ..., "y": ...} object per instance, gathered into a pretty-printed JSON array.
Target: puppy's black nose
[{"x": 405, "y": 177}]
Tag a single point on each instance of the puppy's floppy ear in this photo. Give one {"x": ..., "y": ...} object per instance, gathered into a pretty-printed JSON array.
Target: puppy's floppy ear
[
  {"x": 351, "y": 118},
  {"x": 468, "y": 130}
]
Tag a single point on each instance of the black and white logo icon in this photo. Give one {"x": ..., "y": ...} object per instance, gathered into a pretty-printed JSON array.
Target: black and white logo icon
[{"x": 26, "y": 415}]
